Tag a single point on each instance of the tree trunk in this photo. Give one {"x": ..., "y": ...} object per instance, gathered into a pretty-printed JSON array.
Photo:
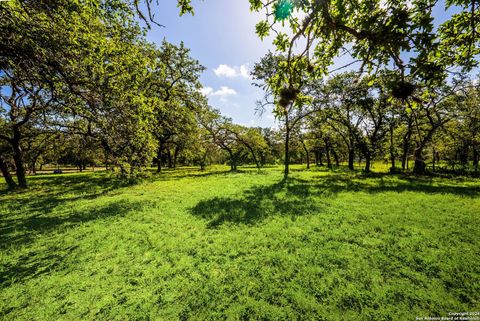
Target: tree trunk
[
  {"x": 420, "y": 166},
  {"x": 351, "y": 158},
  {"x": 307, "y": 154},
  {"x": 203, "y": 162},
  {"x": 253, "y": 155},
  {"x": 169, "y": 157},
  {"x": 327, "y": 154},
  {"x": 6, "y": 175},
  {"x": 392, "y": 150},
  {"x": 406, "y": 146},
  {"x": 368, "y": 157},
  {"x": 335, "y": 157},
  {"x": 175, "y": 156},
  {"x": 262, "y": 159},
  {"x": 464, "y": 154},
  {"x": 18, "y": 160},
  {"x": 159, "y": 157},
  {"x": 232, "y": 160},
  {"x": 392, "y": 161},
  {"x": 33, "y": 165},
  {"x": 287, "y": 143}
]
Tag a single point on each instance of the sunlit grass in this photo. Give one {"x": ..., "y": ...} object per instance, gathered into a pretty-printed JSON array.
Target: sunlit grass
[{"x": 186, "y": 244}]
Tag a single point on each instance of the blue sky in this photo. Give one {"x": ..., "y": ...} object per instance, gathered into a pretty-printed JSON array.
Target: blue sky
[{"x": 221, "y": 35}]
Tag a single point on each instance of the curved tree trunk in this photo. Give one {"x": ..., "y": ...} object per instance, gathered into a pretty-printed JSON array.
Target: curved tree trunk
[
  {"x": 6, "y": 175},
  {"x": 253, "y": 155},
  {"x": 335, "y": 157},
  {"x": 19, "y": 163},
  {"x": 307, "y": 154}
]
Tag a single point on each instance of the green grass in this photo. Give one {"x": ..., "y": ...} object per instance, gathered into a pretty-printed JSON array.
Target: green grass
[{"x": 217, "y": 245}]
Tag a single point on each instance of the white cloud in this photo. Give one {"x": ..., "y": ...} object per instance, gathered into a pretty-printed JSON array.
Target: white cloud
[
  {"x": 224, "y": 91},
  {"x": 232, "y": 72},
  {"x": 225, "y": 71},
  {"x": 244, "y": 71},
  {"x": 206, "y": 90}
]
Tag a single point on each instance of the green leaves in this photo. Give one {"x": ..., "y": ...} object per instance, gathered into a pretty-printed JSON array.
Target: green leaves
[
  {"x": 185, "y": 7},
  {"x": 262, "y": 29},
  {"x": 255, "y": 5},
  {"x": 281, "y": 42}
]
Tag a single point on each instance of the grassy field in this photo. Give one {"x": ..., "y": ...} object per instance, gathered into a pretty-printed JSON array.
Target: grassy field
[{"x": 216, "y": 245}]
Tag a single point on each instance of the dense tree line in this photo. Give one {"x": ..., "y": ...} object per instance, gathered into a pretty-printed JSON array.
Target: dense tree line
[{"x": 81, "y": 85}]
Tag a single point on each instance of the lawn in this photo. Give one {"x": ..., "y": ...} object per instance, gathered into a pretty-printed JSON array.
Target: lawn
[{"x": 217, "y": 245}]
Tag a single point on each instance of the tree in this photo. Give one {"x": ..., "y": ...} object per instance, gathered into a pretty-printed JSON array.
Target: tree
[
  {"x": 27, "y": 99},
  {"x": 71, "y": 65},
  {"x": 346, "y": 100},
  {"x": 291, "y": 105},
  {"x": 376, "y": 34},
  {"x": 430, "y": 114},
  {"x": 373, "y": 125},
  {"x": 174, "y": 83}
]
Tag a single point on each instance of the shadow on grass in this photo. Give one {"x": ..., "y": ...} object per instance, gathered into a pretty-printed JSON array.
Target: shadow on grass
[
  {"x": 381, "y": 183},
  {"x": 295, "y": 196},
  {"x": 23, "y": 230},
  {"x": 188, "y": 172},
  {"x": 288, "y": 197},
  {"x": 24, "y": 213}
]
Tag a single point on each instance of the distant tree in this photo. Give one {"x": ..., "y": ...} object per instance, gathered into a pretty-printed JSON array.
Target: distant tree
[
  {"x": 291, "y": 105},
  {"x": 174, "y": 83},
  {"x": 346, "y": 102},
  {"x": 430, "y": 114},
  {"x": 23, "y": 100}
]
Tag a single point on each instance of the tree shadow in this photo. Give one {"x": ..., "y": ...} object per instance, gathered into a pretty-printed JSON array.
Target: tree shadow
[
  {"x": 384, "y": 182},
  {"x": 288, "y": 197},
  {"x": 21, "y": 231},
  {"x": 171, "y": 174},
  {"x": 27, "y": 212},
  {"x": 296, "y": 196}
]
